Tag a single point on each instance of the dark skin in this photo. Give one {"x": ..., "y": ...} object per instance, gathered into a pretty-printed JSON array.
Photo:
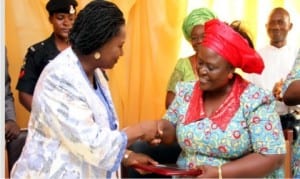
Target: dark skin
[
  {"x": 110, "y": 53},
  {"x": 61, "y": 23},
  {"x": 278, "y": 26},
  {"x": 291, "y": 96},
  {"x": 197, "y": 35},
  {"x": 12, "y": 130},
  {"x": 216, "y": 84}
]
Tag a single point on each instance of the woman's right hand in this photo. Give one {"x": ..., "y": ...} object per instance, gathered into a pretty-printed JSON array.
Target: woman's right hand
[{"x": 277, "y": 90}]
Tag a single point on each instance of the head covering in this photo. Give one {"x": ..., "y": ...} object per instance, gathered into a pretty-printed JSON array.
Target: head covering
[
  {"x": 196, "y": 17},
  {"x": 61, "y": 6},
  {"x": 228, "y": 43}
]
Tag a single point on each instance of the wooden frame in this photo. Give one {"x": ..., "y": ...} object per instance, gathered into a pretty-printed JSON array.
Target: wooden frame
[{"x": 288, "y": 135}]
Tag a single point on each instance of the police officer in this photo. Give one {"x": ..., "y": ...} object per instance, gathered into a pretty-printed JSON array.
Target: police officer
[{"x": 62, "y": 14}]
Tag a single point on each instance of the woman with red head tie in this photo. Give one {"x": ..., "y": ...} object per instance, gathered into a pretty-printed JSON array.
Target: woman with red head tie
[{"x": 226, "y": 126}]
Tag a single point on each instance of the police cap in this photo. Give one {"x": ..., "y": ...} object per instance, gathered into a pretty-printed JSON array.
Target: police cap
[{"x": 61, "y": 6}]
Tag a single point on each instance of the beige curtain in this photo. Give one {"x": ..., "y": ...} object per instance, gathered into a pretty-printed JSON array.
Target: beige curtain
[{"x": 154, "y": 43}]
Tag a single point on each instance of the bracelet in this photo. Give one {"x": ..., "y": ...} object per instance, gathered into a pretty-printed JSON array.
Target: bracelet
[{"x": 220, "y": 171}]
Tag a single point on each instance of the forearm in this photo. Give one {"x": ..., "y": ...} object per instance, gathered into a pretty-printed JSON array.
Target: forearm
[
  {"x": 292, "y": 96},
  {"x": 25, "y": 100},
  {"x": 252, "y": 165},
  {"x": 133, "y": 133},
  {"x": 169, "y": 98}
]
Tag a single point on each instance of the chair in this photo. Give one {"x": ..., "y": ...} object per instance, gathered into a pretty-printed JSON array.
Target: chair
[
  {"x": 14, "y": 148},
  {"x": 288, "y": 135}
]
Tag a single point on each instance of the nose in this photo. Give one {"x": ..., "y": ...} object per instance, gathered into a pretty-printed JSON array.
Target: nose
[
  {"x": 202, "y": 70},
  {"x": 67, "y": 22}
]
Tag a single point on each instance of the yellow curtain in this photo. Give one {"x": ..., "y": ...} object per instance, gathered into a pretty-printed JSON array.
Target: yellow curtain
[
  {"x": 138, "y": 82},
  {"x": 26, "y": 23},
  {"x": 154, "y": 38}
]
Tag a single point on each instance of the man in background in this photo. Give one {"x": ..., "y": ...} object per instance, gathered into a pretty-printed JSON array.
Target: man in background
[{"x": 278, "y": 56}]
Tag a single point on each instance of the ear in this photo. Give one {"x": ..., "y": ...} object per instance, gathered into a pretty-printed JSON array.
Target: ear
[
  {"x": 291, "y": 26},
  {"x": 230, "y": 76},
  {"x": 231, "y": 72}
]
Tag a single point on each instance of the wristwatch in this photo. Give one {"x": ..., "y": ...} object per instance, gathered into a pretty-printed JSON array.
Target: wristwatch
[{"x": 126, "y": 155}]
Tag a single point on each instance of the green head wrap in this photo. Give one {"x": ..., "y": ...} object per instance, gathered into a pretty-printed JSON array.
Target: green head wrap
[{"x": 196, "y": 17}]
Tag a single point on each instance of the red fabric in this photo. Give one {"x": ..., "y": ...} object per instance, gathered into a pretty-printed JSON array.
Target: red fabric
[
  {"x": 232, "y": 46},
  {"x": 222, "y": 116}
]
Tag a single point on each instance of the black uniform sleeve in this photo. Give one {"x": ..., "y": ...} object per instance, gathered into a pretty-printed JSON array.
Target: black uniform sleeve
[{"x": 30, "y": 71}]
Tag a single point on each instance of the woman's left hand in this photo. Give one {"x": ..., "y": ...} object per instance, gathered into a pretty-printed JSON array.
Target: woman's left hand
[
  {"x": 208, "y": 171},
  {"x": 139, "y": 158}
]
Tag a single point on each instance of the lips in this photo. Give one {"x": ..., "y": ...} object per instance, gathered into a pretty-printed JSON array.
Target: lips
[
  {"x": 65, "y": 30},
  {"x": 203, "y": 81}
]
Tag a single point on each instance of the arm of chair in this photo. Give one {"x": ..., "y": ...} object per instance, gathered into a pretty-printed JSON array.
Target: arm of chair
[{"x": 288, "y": 135}]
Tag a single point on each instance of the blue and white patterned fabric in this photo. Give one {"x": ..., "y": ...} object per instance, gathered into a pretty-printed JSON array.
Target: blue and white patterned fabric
[
  {"x": 292, "y": 76},
  {"x": 254, "y": 128},
  {"x": 71, "y": 132}
]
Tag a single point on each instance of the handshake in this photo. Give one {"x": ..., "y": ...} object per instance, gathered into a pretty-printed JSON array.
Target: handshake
[
  {"x": 158, "y": 131},
  {"x": 152, "y": 131}
]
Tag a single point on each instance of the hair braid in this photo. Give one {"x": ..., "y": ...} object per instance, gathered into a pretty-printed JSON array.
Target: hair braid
[{"x": 96, "y": 24}]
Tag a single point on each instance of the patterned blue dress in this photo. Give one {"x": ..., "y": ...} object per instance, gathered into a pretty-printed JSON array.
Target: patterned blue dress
[
  {"x": 255, "y": 127},
  {"x": 292, "y": 76}
]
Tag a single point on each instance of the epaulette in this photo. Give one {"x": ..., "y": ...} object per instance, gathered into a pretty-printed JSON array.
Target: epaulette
[{"x": 37, "y": 46}]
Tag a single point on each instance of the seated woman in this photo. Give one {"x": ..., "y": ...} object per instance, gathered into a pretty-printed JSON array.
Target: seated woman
[
  {"x": 185, "y": 70},
  {"x": 291, "y": 96},
  {"x": 226, "y": 126}
]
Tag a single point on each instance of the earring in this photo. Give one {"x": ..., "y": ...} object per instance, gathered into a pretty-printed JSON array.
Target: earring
[
  {"x": 230, "y": 75},
  {"x": 97, "y": 55}
]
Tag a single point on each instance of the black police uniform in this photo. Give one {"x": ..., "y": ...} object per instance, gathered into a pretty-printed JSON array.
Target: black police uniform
[{"x": 37, "y": 57}]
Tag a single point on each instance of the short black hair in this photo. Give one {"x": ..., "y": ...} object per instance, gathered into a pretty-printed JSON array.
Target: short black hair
[{"x": 96, "y": 24}]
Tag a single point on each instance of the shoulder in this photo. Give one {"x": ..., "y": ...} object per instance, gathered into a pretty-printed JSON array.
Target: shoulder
[
  {"x": 185, "y": 87},
  {"x": 183, "y": 60},
  {"x": 254, "y": 96},
  {"x": 46, "y": 46}
]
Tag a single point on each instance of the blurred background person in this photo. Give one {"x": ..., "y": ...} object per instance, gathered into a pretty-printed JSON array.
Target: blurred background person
[
  {"x": 185, "y": 68},
  {"x": 278, "y": 56},
  {"x": 13, "y": 136},
  {"x": 12, "y": 129},
  {"x": 62, "y": 14}
]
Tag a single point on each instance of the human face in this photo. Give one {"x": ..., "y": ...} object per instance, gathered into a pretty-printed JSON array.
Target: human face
[
  {"x": 278, "y": 27},
  {"x": 197, "y": 36},
  {"x": 213, "y": 70},
  {"x": 112, "y": 50},
  {"x": 62, "y": 23}
]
